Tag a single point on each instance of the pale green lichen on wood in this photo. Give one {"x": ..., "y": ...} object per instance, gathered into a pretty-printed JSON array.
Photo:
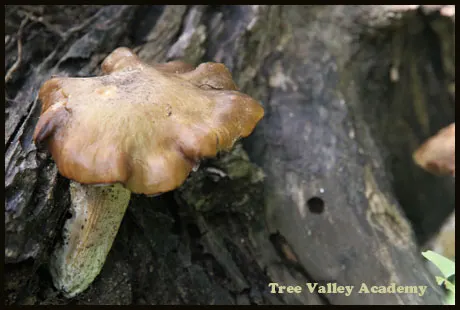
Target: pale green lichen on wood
[
  {"x": 385, "y": 216},
  {"x": 218, "y": 186},
  {"x": 238, "y": 166}
]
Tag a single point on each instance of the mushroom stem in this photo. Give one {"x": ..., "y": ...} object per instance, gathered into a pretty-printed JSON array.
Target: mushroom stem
[{"x": 88, "y": 235}]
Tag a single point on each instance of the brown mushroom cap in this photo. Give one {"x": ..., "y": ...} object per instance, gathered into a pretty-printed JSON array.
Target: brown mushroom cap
[
  {"x": 437, "y": 154},
  {"x": 140, "y": 125}
]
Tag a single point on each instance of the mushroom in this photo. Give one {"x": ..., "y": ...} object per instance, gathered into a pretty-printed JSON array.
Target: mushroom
[
  {"x": 437, "y": 154},
  {"x": 138, "y": 128}
]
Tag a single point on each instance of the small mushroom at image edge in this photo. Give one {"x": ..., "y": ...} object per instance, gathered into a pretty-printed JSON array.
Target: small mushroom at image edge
[
  {"x": 437, "y": 154},
  {"x": 138, "y": 128}
]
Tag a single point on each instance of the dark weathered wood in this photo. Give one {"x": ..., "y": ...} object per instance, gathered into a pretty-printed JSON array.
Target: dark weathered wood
[{"x": 349, "y": 93}]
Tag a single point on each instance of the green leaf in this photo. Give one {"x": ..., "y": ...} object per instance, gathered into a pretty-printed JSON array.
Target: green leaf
[
  {"x": 450, "y": 300},
  {"x": 450, "y": 286},
  {"x": 440, "y": 280},
  {"x": 445, "y": 265}
]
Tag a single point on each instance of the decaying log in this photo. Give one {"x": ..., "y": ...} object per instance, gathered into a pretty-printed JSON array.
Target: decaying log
[{"x": 325, "y": 189}]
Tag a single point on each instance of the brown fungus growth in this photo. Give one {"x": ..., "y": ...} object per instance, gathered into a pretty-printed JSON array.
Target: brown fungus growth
[
  {"x": 437, "y": 154},
  {"x": 138, "y": 128}
]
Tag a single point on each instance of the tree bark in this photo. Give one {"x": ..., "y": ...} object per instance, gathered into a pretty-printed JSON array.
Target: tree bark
[{"x": 324, "y": 190}]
